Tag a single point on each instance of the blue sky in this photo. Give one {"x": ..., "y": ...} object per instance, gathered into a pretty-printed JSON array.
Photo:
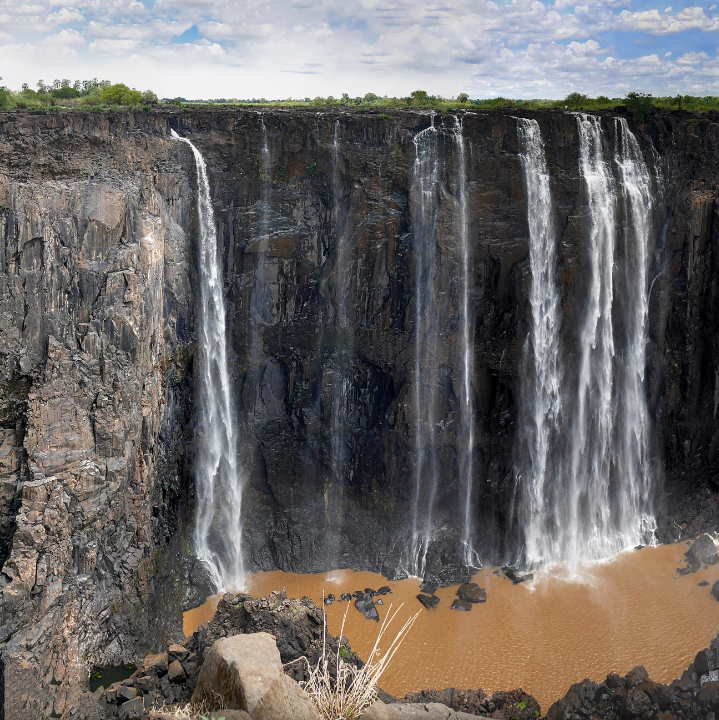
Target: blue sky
[{"x": 299, "y": 48}]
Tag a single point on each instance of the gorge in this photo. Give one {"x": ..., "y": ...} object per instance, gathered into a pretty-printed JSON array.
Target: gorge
[{"x": 449, "y": 341}]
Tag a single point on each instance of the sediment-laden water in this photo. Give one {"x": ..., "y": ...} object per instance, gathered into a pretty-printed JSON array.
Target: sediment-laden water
[{"x": 540, "y": 636}]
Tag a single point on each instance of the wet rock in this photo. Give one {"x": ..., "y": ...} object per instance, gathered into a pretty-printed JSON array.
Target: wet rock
[
  {"x": 472, "y": 593},
  {"x": 345, "y": 597},
  {"x": 403, "y": 711},
  {"x": 358, "y": 594},
  {"x": 244, "y": 672},
  {"x": 366, "y": 606},
  {"x": 370, "y": 592},
  {"x": 461, "y": 605},
  {"x": 701, "y": 552},
  {"x": 429, "y": 601},
  {"x": 516, "y": 577},
  {"x": 329, "y": 599},
  {"x": 379, "y": 601},
  {"x": 715, "y": 590},
  {"x": 703, "y": 583},
  {"x": 636, "y": 676},
  {"x": 384, "y": 590}
]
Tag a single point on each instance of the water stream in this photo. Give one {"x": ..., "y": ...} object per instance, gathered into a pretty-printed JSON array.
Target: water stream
[{"x": 218, "y": 526}]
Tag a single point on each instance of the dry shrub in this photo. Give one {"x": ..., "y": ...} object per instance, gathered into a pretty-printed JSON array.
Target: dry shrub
[{"x": 353, "y": 689}]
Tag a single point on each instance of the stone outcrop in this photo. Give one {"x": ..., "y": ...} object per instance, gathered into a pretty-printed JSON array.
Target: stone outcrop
[
  {"x": 97, "y": 266},
  {"x": 694, "y": 695}
]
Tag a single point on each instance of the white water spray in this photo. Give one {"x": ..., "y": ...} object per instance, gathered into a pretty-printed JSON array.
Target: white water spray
[{"x": 218, "y": 527}]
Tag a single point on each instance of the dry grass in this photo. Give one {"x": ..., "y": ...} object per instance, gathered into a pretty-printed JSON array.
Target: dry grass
[{"x": 353, "y": 690}]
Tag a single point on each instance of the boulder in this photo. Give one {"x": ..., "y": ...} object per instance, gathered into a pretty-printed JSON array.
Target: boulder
[
  {"x": 715, "y": 590},
  {"x": 461, "y": 605},
  {"x": 636, "y": 702},
  {"x": 155, "y": 664},
  {"x": 177, "y": 652},
  {"x": 244, "y": 672},
  {"x": 429, "y": 601},
  {"x": 345, "y": 596},
  {"x": 515, "y": 577},
  {"x": 472, "y": 593},
  {"x": 176, "y": 673},
  {"x": 365, "y": 605},
  {"x": 384, "y": 590},
  {"x": 132, "y": 709},
  {"x": 701, "y": 552}
]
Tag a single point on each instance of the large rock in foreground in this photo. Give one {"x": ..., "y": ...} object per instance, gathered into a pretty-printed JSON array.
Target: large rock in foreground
[{"x": 244, "y": 672}]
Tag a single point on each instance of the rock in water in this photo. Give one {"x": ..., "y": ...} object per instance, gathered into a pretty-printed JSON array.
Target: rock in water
[
  {"x": 515, "y": 577},
  {"x": 244, "y": 672},
  {"x": 429, "y": 601},
  {"x": 385, "y": 590},
  {"x": 472, "y": 593},
  {"x": 370, "y": 592},
  {"x": 461, "y": 605},
  {"x": 715, "y": 590},
  {"x": 329, "y": 599},
  {"x": 345, "y": 596},
  {"x": 366, "y": 606},
  {"x": 701, "y": 552}
]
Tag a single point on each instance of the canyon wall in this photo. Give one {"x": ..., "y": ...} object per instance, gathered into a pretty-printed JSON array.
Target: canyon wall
[{"x": 98, "y": 262}]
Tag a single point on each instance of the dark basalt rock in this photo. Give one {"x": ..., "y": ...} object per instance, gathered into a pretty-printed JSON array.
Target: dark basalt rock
[
  {"x": 429, "y": 601},
  {"x": 345, "y": 597},
  {"x": 461, "y": 605},
  {"x": 385, "y": 590},
  {"x": 516, "y": 577},
  {"x": 370, "y": 592},
  {"x": 703, "y": 583},
  {"x": 512, "y": 705},
  {"x": 472, "y": 593},
  {"x": 329, "y": 599},
  {"x": 379, "y": 601},
  {"x": 366, "y": 606},
  {"x": 701, "y": 552},
  {"x": 715, "y": 590}
]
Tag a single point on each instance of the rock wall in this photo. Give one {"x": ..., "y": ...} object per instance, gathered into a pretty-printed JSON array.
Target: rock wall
[{"x": 97, "y": 260}]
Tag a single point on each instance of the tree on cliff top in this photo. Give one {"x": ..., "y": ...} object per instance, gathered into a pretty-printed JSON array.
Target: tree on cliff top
[
  {"x": 120, "y": 94},
  {"x": 639, "y": 104}
]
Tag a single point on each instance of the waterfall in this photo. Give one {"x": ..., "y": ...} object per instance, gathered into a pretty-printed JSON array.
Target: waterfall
[
  {"x": 541, "y": 386},
  {"x": 590, "y": 495},
  {"x": 636, "y": 517},
  {"x": 424, "y": 199},
  {"x": 218, "y": 527},
  {"x": 467, "y": 349},
  {"x": 341, "y": 385}
]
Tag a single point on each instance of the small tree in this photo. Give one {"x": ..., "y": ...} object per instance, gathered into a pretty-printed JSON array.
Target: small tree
[
  {"x": 462, "y": 97},
  {"x": 639, "y": 104},
  {"x": 575, "y": 100}
]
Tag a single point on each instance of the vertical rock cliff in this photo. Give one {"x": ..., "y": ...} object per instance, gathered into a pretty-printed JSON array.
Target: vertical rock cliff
[{"x": 98, "y": 253}]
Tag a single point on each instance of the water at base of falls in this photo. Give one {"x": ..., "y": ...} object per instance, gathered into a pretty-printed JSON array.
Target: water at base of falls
[
  {"x": 218, "y": 524},
  {"x": 541, "y": 636},
  {"x": 586, "y": 489}
]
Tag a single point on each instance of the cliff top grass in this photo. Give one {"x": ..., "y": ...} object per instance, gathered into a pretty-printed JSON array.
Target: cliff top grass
[{"x": 94, "y": 95}]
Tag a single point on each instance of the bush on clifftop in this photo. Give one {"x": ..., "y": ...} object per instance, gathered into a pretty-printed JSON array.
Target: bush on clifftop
[{"x": 120, "y": 94}]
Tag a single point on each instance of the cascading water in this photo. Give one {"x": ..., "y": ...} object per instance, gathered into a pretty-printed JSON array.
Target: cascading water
[
  {"x": 218, "y": 528},
  {"x": 636, "y": 518},
  {"x": 541, "y": 379},
  {"x": 598, "y": 500},
  {"x": 424, "y": 200},
  {"x": 466, "y": 449}
]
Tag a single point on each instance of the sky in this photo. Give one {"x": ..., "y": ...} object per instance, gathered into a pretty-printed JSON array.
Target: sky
[{"x": 306, "y": 48}]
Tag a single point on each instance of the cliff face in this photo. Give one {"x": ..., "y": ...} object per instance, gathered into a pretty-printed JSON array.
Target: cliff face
[{"x": 97, "y": 334}]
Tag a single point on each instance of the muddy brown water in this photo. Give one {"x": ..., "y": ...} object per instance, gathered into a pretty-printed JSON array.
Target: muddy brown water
[{"x": 541, "y": 636}]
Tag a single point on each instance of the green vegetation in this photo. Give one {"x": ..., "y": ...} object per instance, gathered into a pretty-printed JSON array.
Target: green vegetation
[{"x": 102, "y": 94}]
